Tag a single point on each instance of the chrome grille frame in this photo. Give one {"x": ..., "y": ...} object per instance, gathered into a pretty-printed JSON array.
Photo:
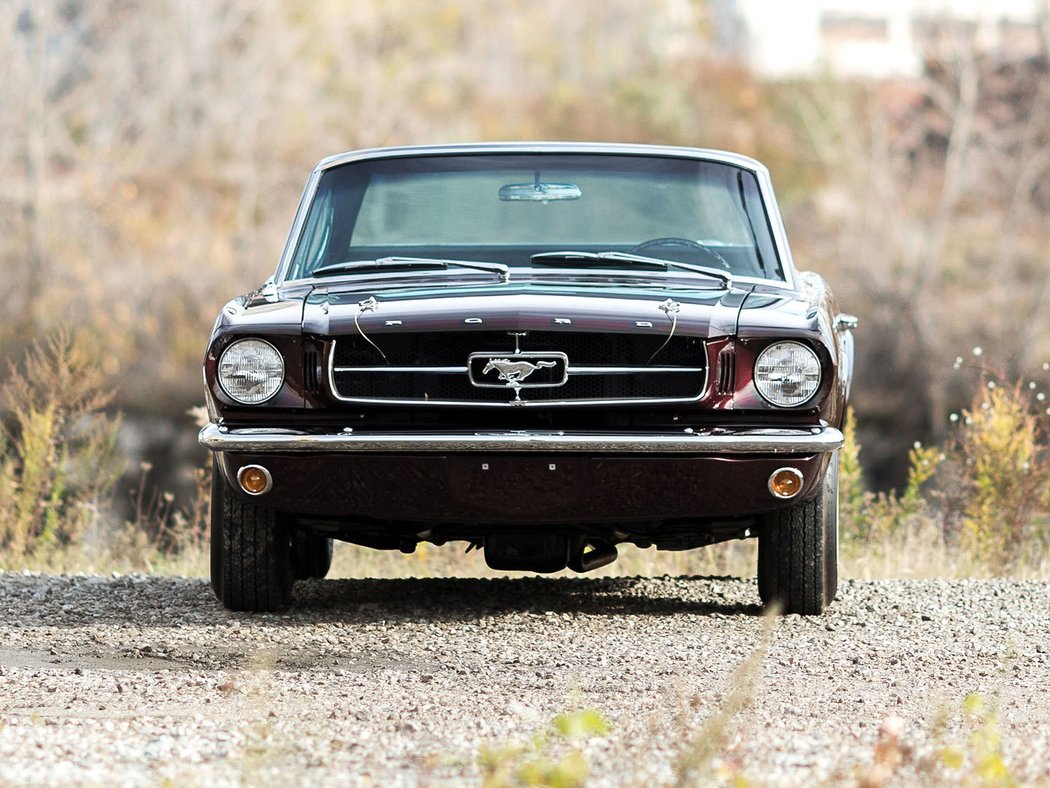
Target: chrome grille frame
[{"x": 570, "y": 370}]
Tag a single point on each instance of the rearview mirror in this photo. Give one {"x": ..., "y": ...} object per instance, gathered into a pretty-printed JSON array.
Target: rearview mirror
[{"x": 538, "y": 191}]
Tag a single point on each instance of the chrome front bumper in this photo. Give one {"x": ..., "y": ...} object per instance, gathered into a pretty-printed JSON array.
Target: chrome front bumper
[{"x": 815, "y": 440}]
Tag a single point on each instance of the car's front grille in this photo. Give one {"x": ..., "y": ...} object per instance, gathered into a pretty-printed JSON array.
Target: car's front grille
[
  {"x": 583, "y": 349},
  {"x": 435, "y": 369}
]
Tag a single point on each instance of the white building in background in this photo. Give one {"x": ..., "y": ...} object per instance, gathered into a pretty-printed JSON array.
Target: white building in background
[{"x": 781, "y": 39}]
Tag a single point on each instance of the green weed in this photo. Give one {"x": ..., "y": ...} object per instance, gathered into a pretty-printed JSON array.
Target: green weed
[
  {"x": 982, "y": 500},
  {"x": 1004, "y": 490},
  {"x": 876, "y": 520}
]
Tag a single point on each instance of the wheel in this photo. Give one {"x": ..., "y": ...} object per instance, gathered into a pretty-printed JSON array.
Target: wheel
[
  {"x": 681, "y": 243},
  {"x": 251, "y": 556},
  {"x": 311, "y": 555},
  {"x": 798, "y": 551}
]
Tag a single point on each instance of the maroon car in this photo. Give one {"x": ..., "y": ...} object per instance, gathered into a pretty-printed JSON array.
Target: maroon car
[{"x": 543, "y": 350}]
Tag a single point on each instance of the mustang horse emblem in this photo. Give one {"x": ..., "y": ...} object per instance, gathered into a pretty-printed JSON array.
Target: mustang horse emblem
[{"x": 514, "y": 372}]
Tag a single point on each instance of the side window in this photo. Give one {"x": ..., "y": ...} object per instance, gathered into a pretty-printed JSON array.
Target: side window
[
  {"x": 760, "y": 228},
  {"x": 315, "y": 238}
]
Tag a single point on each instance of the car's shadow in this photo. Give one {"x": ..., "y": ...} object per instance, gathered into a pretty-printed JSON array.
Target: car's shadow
[
  {"x": 161, "y": 602},
  {"x": 467, "y": 599}
]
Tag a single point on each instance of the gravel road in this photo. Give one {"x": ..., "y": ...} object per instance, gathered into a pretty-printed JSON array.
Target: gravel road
[{"x": 141, "y": 680}]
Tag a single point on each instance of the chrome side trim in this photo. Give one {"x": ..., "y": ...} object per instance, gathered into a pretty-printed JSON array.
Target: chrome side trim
[{"x": 815, "y": 440}]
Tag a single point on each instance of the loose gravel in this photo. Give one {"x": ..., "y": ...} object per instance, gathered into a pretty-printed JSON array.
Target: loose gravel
[{"x": 139, "y": 680}]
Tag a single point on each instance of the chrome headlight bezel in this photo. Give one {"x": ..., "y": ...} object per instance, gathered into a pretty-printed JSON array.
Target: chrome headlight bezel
[
  {"x": 798, "y": 366},
  {"x": 263, "y": 372}
]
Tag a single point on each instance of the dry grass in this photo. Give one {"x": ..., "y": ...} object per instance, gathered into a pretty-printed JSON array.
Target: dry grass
[
  {"x": 918, "y": 556},
  {"x": 923, "y": 554},
  {"x": 915, "y": 556}
]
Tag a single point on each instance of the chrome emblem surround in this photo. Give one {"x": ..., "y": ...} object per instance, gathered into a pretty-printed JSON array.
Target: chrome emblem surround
[{"x": 503, "y": 370}]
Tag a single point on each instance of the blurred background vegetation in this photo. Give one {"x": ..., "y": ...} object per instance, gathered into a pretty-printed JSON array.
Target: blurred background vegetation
[{"x": 153, "y": 152}]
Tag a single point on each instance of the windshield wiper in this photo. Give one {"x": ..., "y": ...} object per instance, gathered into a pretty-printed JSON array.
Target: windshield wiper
[
  {"x": 409, "y": 263},
  {"x": 577, "y": 259}
]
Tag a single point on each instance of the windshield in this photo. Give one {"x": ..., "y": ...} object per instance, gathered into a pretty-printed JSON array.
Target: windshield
[{"x": 508, "y": 208}]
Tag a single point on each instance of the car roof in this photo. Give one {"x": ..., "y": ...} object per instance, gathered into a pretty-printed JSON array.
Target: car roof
[{"x": 622, "y": 149}]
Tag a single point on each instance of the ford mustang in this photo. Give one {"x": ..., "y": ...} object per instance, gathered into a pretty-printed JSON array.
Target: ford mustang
[{"x": 541, "y": 350}]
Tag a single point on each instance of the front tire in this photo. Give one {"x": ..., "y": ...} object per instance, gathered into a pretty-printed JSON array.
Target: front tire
[
  {"x": 798, "y": 552},
  {"x": 251, "y": 557}
]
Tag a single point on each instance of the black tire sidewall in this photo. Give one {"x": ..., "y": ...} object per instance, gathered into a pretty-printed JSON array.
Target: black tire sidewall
[{"x": 251, "y": 552}]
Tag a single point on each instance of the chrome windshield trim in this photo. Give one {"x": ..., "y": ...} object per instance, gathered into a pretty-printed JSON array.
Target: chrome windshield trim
[
  {"x": 815, "y": 440},
  {"x": 761, "y": 172}
]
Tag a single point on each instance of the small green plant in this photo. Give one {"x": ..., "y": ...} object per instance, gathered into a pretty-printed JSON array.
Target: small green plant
[
  {"x": 58, "y": 455},
  {"x": 545, "y": 760},
  {"x": 982, "y": 501},
  {"x": 880, "y": 518},
  {"x": 1001, "y": 450},
  {"x": 851, "y": 481}
]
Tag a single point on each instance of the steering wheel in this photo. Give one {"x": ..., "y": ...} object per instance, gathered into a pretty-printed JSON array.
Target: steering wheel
[{"x": 683, "y": 243}]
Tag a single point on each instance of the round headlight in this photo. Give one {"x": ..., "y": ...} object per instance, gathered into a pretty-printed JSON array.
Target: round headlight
[
  {"x": 251, "y": 371},
  {"x": 787, "y": 374}
]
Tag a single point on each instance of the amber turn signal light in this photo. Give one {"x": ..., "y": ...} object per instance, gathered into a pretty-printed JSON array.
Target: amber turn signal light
[
  {"x": 254, "y": 479},
  {"x": 785, "y": 483}
]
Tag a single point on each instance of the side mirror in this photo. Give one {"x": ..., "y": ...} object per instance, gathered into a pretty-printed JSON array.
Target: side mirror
[{"x": 844, "y": 322}]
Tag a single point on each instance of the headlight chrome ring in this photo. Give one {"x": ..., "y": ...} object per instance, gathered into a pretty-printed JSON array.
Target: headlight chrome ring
[
  {"x": 787, "y": 374},
  {"x": 251, "y": 371}
]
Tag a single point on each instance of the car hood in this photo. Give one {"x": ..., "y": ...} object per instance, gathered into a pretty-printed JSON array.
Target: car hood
[{"x": 523, "y": 306}]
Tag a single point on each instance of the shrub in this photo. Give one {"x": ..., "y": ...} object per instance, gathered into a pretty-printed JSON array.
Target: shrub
[
  {"x": 1003, "y": 475},
  {"x": 58, "y": 454},
  {"x": 869, "y": 518},
  {"x": 851, "y": 483},
  {"x": 985, "y": 496}
]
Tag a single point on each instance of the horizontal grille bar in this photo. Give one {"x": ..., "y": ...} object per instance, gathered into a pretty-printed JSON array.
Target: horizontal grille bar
[
  {"x": 454, "y": 348},
  {"x": 571, "y": 370}
]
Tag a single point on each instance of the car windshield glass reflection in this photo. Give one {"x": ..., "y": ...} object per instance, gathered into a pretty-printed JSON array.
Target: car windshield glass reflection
[{"x": 509, "y": 208}]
